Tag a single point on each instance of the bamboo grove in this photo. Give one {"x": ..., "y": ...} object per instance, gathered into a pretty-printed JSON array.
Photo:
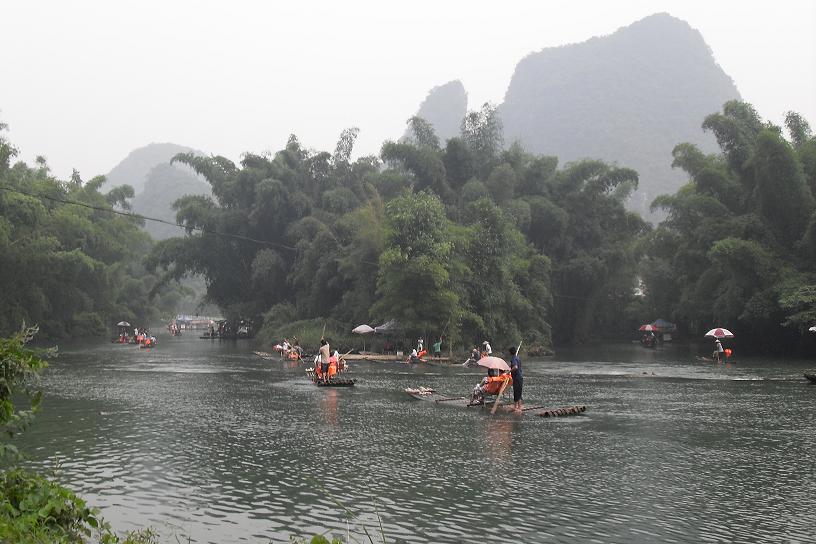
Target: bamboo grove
[{"x": 472, "y": 238}]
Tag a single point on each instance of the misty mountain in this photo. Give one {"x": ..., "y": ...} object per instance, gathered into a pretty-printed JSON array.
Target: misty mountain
[
  {"x": 628, "y": 97},
  {"x": 134, "y": 169},
  {"x": 158, "y": 184},
  {"x": 445, "y": 106},
  {"x": 165, "y": 184}
]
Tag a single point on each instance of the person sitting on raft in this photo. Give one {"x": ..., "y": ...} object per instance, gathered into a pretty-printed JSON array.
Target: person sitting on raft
[
  {"x": 475, "y": 355},
  {"x": 318, "y": 374},
  {"x": 490, "y": 385},
  {"x": 339, "y": 361},
  {"x": 416, "y": 357},
  {"x": 333, "y": 361}
]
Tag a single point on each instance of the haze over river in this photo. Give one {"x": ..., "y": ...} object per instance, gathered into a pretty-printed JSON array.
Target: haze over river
[{"x": 204, "y": 440}]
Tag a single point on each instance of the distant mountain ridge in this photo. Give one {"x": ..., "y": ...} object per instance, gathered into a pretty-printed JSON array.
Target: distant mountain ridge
[
  {"x": 628, "y": 97},
  {"x": 134, "y": 168},
  {"x": 446, "y": 105},
  {"x": 158, "y": 184}
]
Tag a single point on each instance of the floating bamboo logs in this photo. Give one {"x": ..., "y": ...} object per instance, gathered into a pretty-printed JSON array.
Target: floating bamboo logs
[{"x": 559, "y": 412}]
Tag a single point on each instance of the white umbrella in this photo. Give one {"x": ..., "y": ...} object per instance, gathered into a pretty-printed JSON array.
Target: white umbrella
[
  {"x": 493, "y": 362},
  {"x": 123, "y": 324},
  {"x": 363, "y": 329},
  {"x": 719, "y": 333},
  {"x": 812, "y": 329}
]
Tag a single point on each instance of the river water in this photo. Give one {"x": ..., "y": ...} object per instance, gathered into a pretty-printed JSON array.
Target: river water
[{"x": 208, "y": 443}]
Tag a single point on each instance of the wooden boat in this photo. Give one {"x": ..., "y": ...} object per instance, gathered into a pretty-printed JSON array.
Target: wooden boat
[
  {"x": 431, "y": 395},
  {"x": 811, "y": 376}
]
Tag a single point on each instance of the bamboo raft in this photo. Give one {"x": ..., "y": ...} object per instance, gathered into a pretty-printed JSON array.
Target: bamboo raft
[
  {"x": 464, "y": 402},
  {"x": 384, "y": 358},
  {"x": 267, "y": 355},
  {"x": 334, "y": 382},
  {"x": 811, "y": 376}
]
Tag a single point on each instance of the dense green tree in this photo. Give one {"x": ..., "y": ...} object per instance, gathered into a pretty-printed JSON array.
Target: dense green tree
[
  {"x": 735, "y": 247},
  {"x": 414, "y": 283},
  {"x": 70, "y": 264}
]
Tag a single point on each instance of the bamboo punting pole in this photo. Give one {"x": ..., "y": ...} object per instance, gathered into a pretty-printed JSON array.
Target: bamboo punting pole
[{"x": 498, "y": 398}]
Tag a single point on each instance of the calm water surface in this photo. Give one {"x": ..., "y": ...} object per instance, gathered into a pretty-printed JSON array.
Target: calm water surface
[{"x": 204, "y": 441}]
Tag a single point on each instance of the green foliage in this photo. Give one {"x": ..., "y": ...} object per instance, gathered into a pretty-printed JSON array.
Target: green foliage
[
  {"x": 19, "y": 368},
  {"x": 73, "y": 269},
  {"x": 36, "y": 509},
  {"x": 414, "y": 280},
  {"x": 735, "y": 249},
  {"x": 469, "y": 240}
]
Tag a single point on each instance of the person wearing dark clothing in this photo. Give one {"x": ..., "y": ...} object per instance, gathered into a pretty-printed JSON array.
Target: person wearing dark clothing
[{"x": 518, "y": 378}]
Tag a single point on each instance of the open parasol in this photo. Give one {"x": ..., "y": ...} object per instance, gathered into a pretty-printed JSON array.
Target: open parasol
[
  {"x": 123, "y": 324},
  {"x": 493, "y": 362},
  {"x": 363, "y": 329},
  {"x": 719, "y": 333},
  {"x": 648, "y": 327}
]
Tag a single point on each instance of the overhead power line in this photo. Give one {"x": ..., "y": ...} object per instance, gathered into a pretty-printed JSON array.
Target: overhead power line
[{"x": 146, "y": 218}]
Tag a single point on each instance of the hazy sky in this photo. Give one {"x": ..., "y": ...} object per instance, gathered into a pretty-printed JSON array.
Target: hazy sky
[{"x": 86, "y": 82}]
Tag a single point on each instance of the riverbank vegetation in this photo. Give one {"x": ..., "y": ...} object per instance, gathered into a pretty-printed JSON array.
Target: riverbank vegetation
[
  {"x": 738, "y": 247},
  {"x": 470, "y": 239},
  {"x": 68, "y": 263}
]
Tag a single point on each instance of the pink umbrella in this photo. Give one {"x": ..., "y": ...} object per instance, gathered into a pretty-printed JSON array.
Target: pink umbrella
[
  {"x": 719, "y": 333},
  {"x": 493, "y": 362},
  {"x": 648, "y": 327}
]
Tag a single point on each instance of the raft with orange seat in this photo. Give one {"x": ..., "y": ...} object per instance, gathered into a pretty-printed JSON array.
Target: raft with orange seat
[
  {"x": 540, "y": 410},
  {"x": 315, "y": 375}
]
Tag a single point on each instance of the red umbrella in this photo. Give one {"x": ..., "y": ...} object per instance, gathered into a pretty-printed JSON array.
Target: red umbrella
[
  {"x": 493, "y": 362},
  {"x": 719, "y": 333},
  {"x": 648, "y": 327}
]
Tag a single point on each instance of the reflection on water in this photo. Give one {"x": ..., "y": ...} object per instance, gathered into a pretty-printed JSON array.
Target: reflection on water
[
  {"x": 329, "y": 403},
  {"x": 498, "y": 438},
  {"x": 206, "y": 441}
]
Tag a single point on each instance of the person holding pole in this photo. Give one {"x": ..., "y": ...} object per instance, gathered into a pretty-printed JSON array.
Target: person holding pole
[
  {"x": 518, "y": 378},
  {"x": 325, "y": 354}
]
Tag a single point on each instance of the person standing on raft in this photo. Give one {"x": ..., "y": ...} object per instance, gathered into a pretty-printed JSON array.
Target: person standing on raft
[
  {"x": 518, "y": 378},
  {"x": 718, "y": 351},
  {"x": 325, "y": 354}
]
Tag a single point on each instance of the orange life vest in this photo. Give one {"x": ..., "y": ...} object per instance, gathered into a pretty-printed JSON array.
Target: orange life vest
[{"x": 494, "y": 383}]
